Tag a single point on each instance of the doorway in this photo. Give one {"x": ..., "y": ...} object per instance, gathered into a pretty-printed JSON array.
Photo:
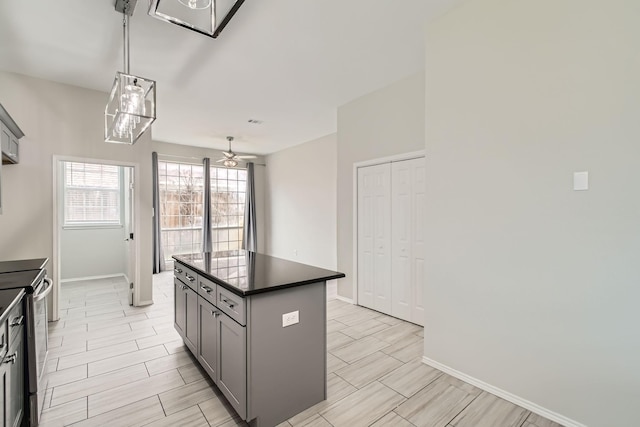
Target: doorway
[{"x": 95, "y": 224}]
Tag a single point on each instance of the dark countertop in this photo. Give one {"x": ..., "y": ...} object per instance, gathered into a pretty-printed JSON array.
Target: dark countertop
[
  {"x": 26, "y": 280},
  {"x": 23, "y": 265},
  {"x": 9, "y": 298},
  {"x": 247, "y": 273}
]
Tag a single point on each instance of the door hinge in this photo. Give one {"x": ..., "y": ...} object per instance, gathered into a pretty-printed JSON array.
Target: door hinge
[
  {"x": 131, "y": 285},
  {"x": 130, "y": 236}
]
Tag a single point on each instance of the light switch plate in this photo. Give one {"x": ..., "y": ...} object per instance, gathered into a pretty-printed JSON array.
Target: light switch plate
[
  {"x": 580, "y": 181},
  {"x": 289, "y": 319}
]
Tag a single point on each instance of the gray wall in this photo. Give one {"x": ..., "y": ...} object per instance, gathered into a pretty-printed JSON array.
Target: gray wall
[
  {"x": 301, "y": 204},
  {"x": 383, "y": 123},
  {"x": 533, "y": 287}
]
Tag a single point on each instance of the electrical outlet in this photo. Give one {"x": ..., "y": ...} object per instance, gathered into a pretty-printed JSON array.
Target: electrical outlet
[{"x": 289, "y": 319}]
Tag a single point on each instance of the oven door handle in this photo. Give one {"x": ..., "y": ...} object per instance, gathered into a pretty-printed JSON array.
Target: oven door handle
[{"x": 43, "y": 294}]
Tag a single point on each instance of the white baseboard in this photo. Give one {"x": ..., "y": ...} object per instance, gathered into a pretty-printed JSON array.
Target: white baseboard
[
  {"x": 345, "y": 299},
  {"x": 517, "y": 400},
  {"x": 143, "y": 303},
  {"x": 81, "y": 279}
]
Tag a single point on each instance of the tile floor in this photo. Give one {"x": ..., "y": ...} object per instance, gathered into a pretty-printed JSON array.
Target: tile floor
[{"x": 116, "y": 365}]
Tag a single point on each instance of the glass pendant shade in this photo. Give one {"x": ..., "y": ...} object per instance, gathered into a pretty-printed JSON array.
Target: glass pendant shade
[
  {"x": 130, "y": 110},
  {"x": 206, "y": 17},
  {"x": 196, "y": 4}
]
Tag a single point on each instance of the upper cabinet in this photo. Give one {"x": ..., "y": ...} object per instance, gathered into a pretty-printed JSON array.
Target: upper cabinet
[{"x": 10, "y": 135}]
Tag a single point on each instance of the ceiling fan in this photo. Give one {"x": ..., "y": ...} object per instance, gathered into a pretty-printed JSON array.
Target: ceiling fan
[{"x": 230, "y": 158}]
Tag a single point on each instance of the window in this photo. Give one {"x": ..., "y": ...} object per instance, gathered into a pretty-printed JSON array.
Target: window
[
  {"x": 181, "y": 207},
  {"x": 181, "y": 190},
  {"x": 228, "y": 190},
  {"x": 91, "y": 194}
]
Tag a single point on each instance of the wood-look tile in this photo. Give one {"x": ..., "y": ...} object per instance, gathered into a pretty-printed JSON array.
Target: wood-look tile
[
  {"x": 192, "y": 373},
  {"x": 175, "y": 346},
  {"x": 95, "y": 343},
  {"x": 337, "y": 389},
  {"x": 190, "y": 417},
  {"x": 92, "y": 385},
  {"x": 113, "y": 398},
  {"x": 438, "y": 403},
  {"x": 52, "y": 364},
  {"x": 333, "y": 363},
  {"x": 389, "y": 320},
  {"x": 47, "y": 398},
  {"x": 182, "y": 397},
  {"x": 404, "y": 351},
  {"x": 66, "y": 376},
  {"x": 54, "y": 342},
  {"x": 65, "y": 362},
  {"x": 359, "y": 349},
  {"x": 363, "y": 407},
  {"x": 337, "y": 339},
  {"x": 68, "y": 350},
  {"x": 95, "y": 326},
  {"x": 410, "y": 378},
  {"x": 392, "y": 420},
  {"x": 488, "y": 411},
  {"x": 59, "y": 328},
  {"x": 101, "y": 318},
  {"x": 126, "y": 415},
  {"x": 284, "y": 424},
  {"x": 149, "y": 323},
  {"x": 155, "y": 340},
  {"x": 335, "y": 326},
  {"x": 368, "y": 369},
  {"x": 535, "y": 420},
  {"x": 168, "y": 362},
  {"x": 128, "y": 359},
  {"x": 217, "y": 410},
  {"x": 362, "y": 329},
  {"x": 64, "y": 415},
  {"x": 83, "y": 336},
  {"x": 315, "y": 421},
  {"x": 356, "y": 315},
  {"x": 397, "y": 332}
]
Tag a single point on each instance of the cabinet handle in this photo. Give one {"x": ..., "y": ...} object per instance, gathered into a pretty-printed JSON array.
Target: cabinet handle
[
  {"x": 17, "y": 321},
  {"x": 177, "y": 270},
  {"x": 184, "y": 287},
  {"x": 189, "y": 278},
  {"x": 231, "y": 305},
  {"x": 214, "y": 313},
  {"x": 12, "y": 358},
  {"x": 206, "y": 289}
]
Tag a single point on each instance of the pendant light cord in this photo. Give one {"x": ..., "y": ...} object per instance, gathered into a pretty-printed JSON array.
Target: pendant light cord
[{"x": 125, "y": 39}]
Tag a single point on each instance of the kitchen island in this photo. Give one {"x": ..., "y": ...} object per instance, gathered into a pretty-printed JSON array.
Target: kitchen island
[{"x": 257, "y": 325}]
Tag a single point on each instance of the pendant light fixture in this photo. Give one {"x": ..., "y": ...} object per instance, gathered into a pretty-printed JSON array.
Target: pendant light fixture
[
  {"x": 206, "y": 17},
  {"x": 132, "y": 102}
]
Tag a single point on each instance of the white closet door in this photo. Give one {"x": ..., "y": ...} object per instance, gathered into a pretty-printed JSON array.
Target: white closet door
[
  {"x": 407, "y": 265},
  {"x": 374, "y": 222}
]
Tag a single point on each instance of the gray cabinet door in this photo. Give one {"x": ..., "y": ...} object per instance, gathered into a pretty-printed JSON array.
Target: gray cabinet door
[
  {"x": 232, "y": 363},
  {"x": 180, "y": 307},
  {"x": 15, "y": 389},
  {"x": 208, "y": 338},
  {"x": 191, "y": 324},
  {"x": 4, "y": 392}
]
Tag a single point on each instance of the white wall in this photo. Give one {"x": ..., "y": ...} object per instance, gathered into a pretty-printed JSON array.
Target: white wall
[
  {"x": 387, "y": 122},
  {"x": 301, "y": 203},
  {"x": 533, "y": 287},
  {"x": 89, "y": 252}
]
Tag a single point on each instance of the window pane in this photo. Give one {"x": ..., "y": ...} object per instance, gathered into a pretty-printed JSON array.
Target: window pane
[{"x": 91, "y": 193}]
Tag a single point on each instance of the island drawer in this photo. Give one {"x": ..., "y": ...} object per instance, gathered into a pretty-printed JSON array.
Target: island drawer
[
  {"x": 207, "y": 289},
  {"x": 188, "y": 276},
  {"x": 15, "y": 320},
  {"x": 232, "y": 305}
]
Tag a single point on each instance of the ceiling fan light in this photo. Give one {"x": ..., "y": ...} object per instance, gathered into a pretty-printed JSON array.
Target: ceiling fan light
[{"x": 230, "y": 163}]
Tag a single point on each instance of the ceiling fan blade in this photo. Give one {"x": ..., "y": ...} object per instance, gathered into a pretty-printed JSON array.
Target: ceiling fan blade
[
  {"x": 221, "y": 160},
  {"x": 247, "y": 157}
]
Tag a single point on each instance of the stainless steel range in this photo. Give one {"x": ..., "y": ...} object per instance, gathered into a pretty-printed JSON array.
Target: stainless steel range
[{"x": 32, "y": 277}]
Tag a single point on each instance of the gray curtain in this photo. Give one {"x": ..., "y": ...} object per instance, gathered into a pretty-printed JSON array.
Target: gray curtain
[
  {"x": 249, "y": 239},
  {"x": 206, "y": 209},
  {"x": 158, "y": 253}
]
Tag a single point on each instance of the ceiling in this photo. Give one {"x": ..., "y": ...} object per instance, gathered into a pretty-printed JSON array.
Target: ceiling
[{"x": 287, "y": 63}]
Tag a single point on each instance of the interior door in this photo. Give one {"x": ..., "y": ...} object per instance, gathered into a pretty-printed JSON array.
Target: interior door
[
  {"x": 418, "y": 248},
  {"x": 129, "y": 234},
  {"x": 374, "y": 218}
]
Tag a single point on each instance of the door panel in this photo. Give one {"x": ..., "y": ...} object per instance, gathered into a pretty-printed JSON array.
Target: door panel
[
  {"x": 191, "y": 325},
  {"x": 180, "y": 307},
  {"x": 232, "y": 364},
  {"x": 208, "y": 338}
]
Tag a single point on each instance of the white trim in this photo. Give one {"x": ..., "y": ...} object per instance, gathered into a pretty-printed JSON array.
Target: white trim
[
  {"x": 104, "y": 276},
  {"x": 365, "y": 163},
  {"x": 516, "y": 400},
  {"x": 345, "y": 299},
  {"x": 55, "y": 295},
  {"x": 142, "y": 303}
]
